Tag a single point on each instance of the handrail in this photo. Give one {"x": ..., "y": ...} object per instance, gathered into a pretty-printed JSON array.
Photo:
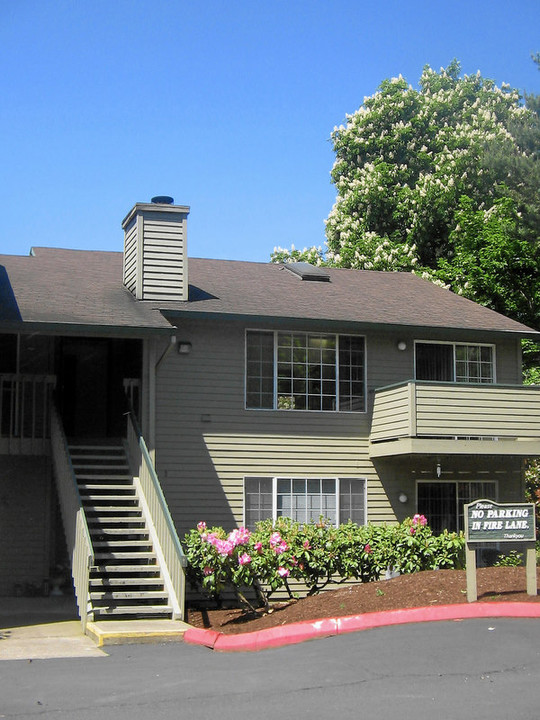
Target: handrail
[
  {"x": 76, "y": 531},
  {"x": 160, "y": 522},
  {"x": 25, "y": 401}
]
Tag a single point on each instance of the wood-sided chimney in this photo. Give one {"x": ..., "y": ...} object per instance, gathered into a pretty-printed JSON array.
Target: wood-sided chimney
[{"x": 155, "y": 250}]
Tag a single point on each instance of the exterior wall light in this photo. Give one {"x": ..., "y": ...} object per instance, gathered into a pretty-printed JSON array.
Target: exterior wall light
[
  {"x": 184, "y": 347},
  {"x": 439, "y": 470},
  {"x": 402, "y": 497},
  {"x": 402, "y": 345}
]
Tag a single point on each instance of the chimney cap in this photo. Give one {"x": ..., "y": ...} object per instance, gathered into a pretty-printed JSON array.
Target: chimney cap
[{"x": 162, "y": 200}]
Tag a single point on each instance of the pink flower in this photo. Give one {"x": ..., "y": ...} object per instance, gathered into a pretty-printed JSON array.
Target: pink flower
[
  {"x": 244, "y": 559},
  {"x": 413, "y": 530},
  {"x": 419, "y": 520},
  {"x": 275, "y": 539},
  {"x": 283, "y": 572},
  {"x": 201, "y": 526},
  {"x": 367, "y": 548},
  {"x": 258, "y": 547},
  {"x": 306, "y": 544},
  {"x": 224, "y": 547},
  {"x": 208, "y": 570},
  {"x": 240, "y": 536},
  {"x": 281, "y": 548}
]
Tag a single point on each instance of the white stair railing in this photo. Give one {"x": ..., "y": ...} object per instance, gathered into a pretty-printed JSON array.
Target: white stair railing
[
  {"x": 160, "y": 524},
  {"x": 78, "y": 540}
]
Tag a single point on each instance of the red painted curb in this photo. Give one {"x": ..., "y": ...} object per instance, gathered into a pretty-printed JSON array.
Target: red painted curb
[{"x": 326, "y": 627}]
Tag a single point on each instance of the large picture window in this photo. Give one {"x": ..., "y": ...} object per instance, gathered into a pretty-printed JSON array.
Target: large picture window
[
  {"x": 305, "y": 500},
  {"x": 305, "y": 371},
  {"x": 453, "y": 362}
]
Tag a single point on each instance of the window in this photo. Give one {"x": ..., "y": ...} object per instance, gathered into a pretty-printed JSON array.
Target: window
[
  {"x": 452, "y": 362},
  {"x": 442, "y": 502},
  {"x": 305, "y": 499},
  {"x": 305, "y": 371}
]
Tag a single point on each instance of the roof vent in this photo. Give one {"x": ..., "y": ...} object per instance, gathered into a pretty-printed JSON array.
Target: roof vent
[
  {"x": 306, "y": 271},
  {"x": 163, "y": 200}
]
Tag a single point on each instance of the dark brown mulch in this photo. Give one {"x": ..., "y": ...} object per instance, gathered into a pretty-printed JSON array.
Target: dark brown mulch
[{"x": 435, "y": 587}]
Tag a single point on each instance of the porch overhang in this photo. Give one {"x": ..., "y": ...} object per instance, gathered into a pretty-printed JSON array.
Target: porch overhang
[{"x": 407, "y": 446}]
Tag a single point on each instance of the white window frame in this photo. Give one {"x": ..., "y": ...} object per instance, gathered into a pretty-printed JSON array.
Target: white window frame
[
  {"x": 275, "y": 406},
  {"x": 454, "y": 345},
  {"x": 319, "y": 478}
]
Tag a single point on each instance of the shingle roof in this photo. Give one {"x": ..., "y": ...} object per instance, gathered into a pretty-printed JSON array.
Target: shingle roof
[
  {"x": 84, "y": 288},
  {"x": 359, "y": 296},
  {"x": 74, "y": 288}
]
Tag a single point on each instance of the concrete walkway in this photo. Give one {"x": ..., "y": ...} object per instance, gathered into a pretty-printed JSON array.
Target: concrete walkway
[{"x": 38, "y": 628}]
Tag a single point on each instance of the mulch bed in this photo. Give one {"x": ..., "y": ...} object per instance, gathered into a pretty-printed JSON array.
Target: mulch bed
[{"x": 435, "y": 587}]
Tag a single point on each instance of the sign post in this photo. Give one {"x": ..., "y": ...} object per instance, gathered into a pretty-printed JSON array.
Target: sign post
[{"x": 490, "y": 522}]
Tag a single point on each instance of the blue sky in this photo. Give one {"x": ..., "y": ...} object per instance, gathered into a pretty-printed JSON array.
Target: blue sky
[{"x": 226, "y": 106}]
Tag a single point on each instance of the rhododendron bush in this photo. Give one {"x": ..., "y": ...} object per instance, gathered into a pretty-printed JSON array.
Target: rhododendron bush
[{"x": 257, "y": 564}]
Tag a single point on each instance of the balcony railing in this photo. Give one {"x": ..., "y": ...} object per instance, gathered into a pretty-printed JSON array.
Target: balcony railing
[
  {"x": 437, "y": 417},
  {"x": 25, "y": 404}
]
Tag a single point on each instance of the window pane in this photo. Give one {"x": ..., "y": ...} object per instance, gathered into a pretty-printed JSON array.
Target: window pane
[
  {"x": 476, "y": 364},
  {"x": 352, "y": 500},
  {"x": 258, "y": 500},
  {"x": 259, "y": 369},
  {"x": 434, "y": 362},
  {"x": 351, "y": 373}
]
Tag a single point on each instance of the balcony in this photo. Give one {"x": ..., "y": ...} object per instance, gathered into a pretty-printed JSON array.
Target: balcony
[
  {"x": 25, "y": 403},
  {"x": 455, "y": 418}
]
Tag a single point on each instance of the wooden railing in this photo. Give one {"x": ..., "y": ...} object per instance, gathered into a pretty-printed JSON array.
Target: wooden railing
[
  {"x": 25, "y": 403},
  {"x": 78, "y": 540},
  {"x": 160, "y": 524},
  {"x": 456, "y": 410}
]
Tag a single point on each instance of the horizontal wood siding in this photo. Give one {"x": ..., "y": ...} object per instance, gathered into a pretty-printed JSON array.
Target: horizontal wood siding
[
  {"x": 130, "y": 258},
  {"x": 207, "y": 442},
  {"x": 391, "y": 413},
  {"x": 164, "y": 257},
  {"x": 478, "y": 411}
]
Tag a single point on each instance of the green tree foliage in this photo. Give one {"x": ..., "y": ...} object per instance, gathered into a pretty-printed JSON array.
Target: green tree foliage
[{"x": 443, "y": 181}]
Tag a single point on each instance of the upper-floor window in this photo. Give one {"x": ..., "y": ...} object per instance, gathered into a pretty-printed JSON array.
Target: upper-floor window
[
  {"x": 455, "y": 362},
  {"x": 305, "y": 371}
]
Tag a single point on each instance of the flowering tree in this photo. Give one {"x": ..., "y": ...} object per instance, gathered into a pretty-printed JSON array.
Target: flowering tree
[{"x": 419, "y": 172}]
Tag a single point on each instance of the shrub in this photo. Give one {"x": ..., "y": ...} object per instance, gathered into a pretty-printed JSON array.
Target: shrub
[{"x": 315, "y": 554}]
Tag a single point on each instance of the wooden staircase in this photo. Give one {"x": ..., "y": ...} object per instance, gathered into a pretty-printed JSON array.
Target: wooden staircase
[{"x": 126, "y": 580}]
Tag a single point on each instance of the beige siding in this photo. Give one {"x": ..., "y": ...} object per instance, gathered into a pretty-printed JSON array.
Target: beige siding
[
  {"x": 155, "y": 253},
  {"x": 207, "y": 442},
  {"x": 164, "y": 262},
  {"x": 130, "y": 257}
]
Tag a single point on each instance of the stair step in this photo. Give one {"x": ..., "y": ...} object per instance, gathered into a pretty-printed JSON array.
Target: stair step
[
  {"x": 83, "y": 478},
  {"x": 124, "y": 568},
  {"x": 74, "y": 446},
  {"x": 118, "y": 531},
  {"x": 98, "y": 455},
  {"x": 134, "y": 610},
  {"x": 103, "y": 496},
  {"x": 86, "y": 467},
  {"x": 129, "y": 595},
  {"x": 135, "y": 555},
  {"x": 112, "y": 519},
  {"x": 122, "y": 543},
  {"x": 104, "y": 486},
  {"x": 119, "y": 581}
]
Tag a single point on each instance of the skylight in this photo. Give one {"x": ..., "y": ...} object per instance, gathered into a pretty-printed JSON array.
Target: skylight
[{"x": 306, "y": 271}]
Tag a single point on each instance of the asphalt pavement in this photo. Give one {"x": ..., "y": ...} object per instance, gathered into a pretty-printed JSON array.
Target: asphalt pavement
[{"x": 483, "y": 669}]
